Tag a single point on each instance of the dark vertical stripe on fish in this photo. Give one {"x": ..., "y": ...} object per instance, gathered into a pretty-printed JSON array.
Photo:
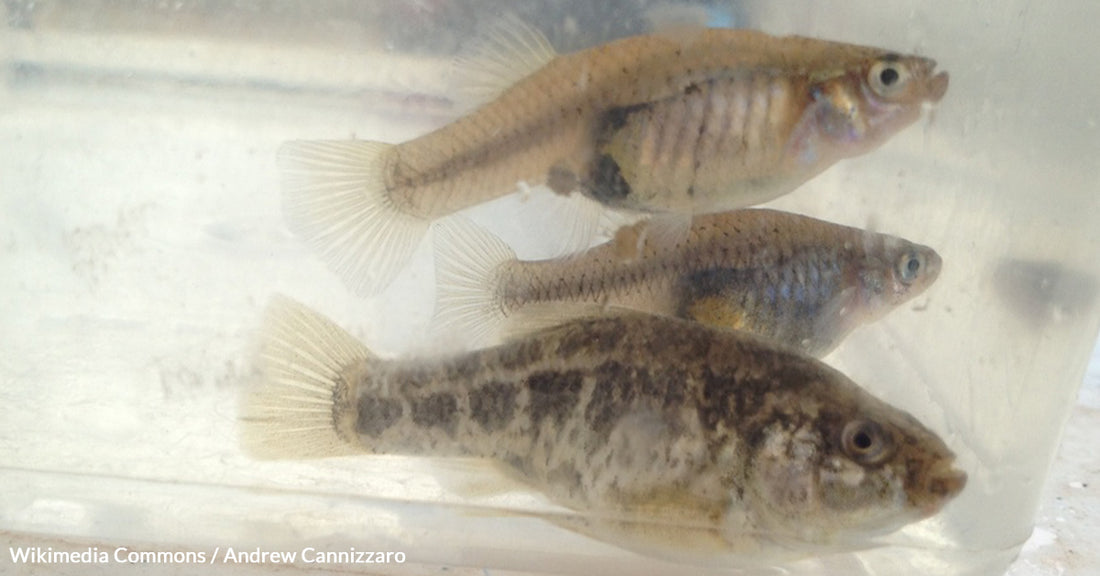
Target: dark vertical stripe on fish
[
  {"x": 607, "y": 184},
  {"x": 698, "y": 107},
  {"x": 704, "y": 140},
  {"x": 741, "y": 86}
]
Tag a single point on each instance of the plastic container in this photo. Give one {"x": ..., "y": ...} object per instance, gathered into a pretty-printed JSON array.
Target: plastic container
[{"x": 141, "y": 235}]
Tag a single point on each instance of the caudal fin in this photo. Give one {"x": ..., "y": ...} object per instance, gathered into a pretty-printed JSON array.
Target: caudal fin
[
  {"x": 300, "y": 408},
  {"x": 335, "y": 199},
  {"x": 467, "y": 259},
  {"x": 469, "y": 304}
]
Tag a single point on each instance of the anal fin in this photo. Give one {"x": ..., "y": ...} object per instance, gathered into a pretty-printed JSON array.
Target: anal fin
[
  {"x": 539, "y": 316},
  {"x": 669, "y": 230}
]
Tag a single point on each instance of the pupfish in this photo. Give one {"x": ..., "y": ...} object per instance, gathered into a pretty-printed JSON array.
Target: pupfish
[
  {"x": 663, "y": 436},
  {"x": 792, "y": 279},
  {"x": 681, "y": 124}
]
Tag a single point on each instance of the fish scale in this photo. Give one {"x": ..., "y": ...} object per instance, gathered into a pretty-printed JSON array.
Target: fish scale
[
  {"x": 662, "y": 435},
  {"x": 802, "y": 282},
  {"x": 668, "y": 150}
]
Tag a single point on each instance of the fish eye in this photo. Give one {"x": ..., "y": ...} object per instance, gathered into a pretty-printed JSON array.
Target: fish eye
[
  {"x": 910, "y": 266},
  {"x": 888, "y": 77},
  {"x": 866, "y": 442}
]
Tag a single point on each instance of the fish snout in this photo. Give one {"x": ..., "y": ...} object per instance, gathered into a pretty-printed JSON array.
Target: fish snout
[
  {"x": 936, "y": 83},
  {"x": 937, "y": 86},
  {"x": 933, "y": 265},
  {"x": 944, "y": 483},
  {"x": 948, "y": 484}
]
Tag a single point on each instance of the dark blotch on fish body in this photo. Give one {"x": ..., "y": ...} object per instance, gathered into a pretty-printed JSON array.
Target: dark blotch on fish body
[
  {"x": 437, "y": 410},
  {"x": 704, "y": 284},
  {"x": 721, "y": 400},
  {"x": 521, "y": 354},
  {"x": 554, "y": 394},
  {"x": 612, "y": 397},
  {"x": 578, "y": 342},
  {"x": 607, "y": 184},
  {"x": 375, "y": 415},
  {"x": 465, "y": 368},
  {"x": 615, "y": 118},
  {"x": 493, "y": 405}
]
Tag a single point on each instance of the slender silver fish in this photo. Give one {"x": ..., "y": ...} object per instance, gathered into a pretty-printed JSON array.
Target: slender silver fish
[
  {"x": 792, "y": 279},
  {"x": 664, "y": 436},
  {"x": 683, "y": 124}
]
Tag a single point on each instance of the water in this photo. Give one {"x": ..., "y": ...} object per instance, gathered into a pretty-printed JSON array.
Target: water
[{"x": 141, "y": 236}]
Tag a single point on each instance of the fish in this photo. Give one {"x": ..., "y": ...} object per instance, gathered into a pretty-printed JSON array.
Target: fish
[
  {"x": 660, "y": 124},
  {"x": 792, "y": 279},
  {"x": 662, "y": 436}
]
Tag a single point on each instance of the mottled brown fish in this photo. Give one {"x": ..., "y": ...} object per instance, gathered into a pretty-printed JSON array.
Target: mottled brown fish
[
  {"x": 792, "y": 279},
  {"x": 664, "y": 436},
  {"x": 683, "y": 124}
]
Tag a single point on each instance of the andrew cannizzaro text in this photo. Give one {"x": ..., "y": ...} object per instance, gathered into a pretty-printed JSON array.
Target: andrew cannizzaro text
[{"x": 123, "y": 555}]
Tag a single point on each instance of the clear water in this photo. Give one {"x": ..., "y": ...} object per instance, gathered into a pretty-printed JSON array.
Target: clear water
[{"x": 141, "y": 235}]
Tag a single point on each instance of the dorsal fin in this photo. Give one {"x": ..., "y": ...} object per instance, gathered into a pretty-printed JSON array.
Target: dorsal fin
[{"x": 506, "y": 52}]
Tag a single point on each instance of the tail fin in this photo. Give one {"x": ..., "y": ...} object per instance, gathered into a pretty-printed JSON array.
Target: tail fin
[
  {"x": 335, "y": 198},
  {"x": 466, "y": 262},
  {"x": 308, "y": 366}
]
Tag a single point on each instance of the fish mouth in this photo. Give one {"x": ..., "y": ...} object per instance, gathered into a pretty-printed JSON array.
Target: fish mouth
[
  {"x": 937, "y": 83},
  {"x": 944, "y": 483},
  {"x": 933, "y": 265}
]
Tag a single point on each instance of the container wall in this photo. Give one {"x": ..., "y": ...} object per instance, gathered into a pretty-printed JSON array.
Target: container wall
[{"x": 141, "y": 236}]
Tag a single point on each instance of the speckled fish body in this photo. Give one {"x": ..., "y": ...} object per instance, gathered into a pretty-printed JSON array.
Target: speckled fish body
[
  {"x": 686, "y": 124},
  {"x": 792, "y": 279},
  {"x": 656, "y": 431}
]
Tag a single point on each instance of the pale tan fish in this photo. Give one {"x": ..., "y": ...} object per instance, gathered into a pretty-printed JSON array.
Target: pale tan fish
[
  {"x": 792, "y": 279},
  {"x": 679, "y": 124},
  {"x": 664, "y": 436}
]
